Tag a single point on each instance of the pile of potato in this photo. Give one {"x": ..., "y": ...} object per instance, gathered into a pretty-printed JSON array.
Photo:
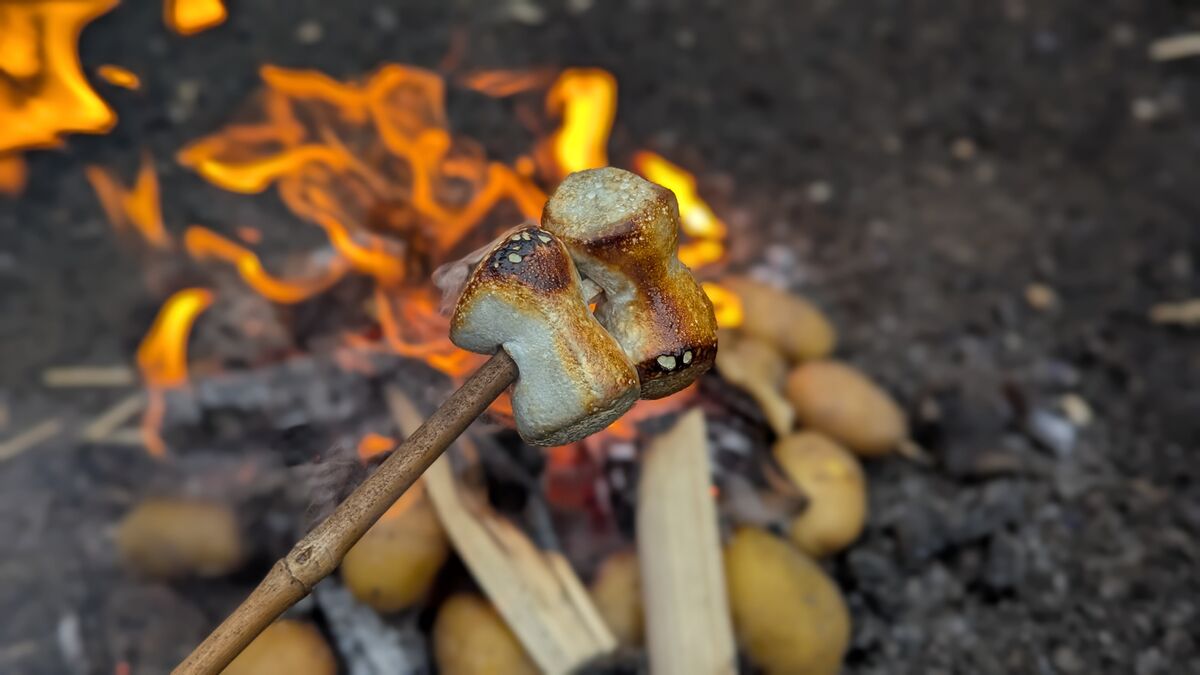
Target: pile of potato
[{"x": 789, "y": 615}]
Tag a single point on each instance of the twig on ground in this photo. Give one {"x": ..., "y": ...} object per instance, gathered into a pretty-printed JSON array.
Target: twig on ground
[
  {"x": 89, "y": 376},
  {"x": 39, "y": 433},
  {"x": 1175, "y": 47}
]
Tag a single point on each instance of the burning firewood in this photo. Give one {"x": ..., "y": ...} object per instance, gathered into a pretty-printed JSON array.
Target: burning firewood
[{"x": 687, "y": 615}]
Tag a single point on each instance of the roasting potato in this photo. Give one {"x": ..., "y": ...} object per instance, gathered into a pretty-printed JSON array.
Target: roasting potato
[
  {"x": 756, "y": 366},
  {"x": 839, "y": 401},
  {"x": 286, "y": 646},
  {"x": 168, "y": 538},
  {"x": 793, "y": 324},
  {"x": 396, "y": 561},
  {"x": 789, "y": 616},
  {"x": 833, "y": 481},
  {"x": 617, "y": 593},
  {"x": 470, "y": 638}
]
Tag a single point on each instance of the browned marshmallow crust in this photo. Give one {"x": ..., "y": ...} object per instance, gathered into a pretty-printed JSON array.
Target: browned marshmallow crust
[
  {"x": 525, "y": 297},
  {"x": 623, "y": 232}
]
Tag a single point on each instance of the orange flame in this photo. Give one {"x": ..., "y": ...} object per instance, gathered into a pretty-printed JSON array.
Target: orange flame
[
  {"x": 43, "y": 92},
  {"x": 696, "y": 218},
  {"x": 13, "y": 174},
  {"x": 726, "y": 304},
  {"x": 120, "y": 77},
  {"x": 162, "y": 358},
  {"x": 374, "y": 165},
  {"x": 188, "y": 17},
  {"x": 586, "y": 100},
  {"x": 137, "y": 207},
  {"x": 503, "y": 83},
  {"x": 203, "y": 243}
]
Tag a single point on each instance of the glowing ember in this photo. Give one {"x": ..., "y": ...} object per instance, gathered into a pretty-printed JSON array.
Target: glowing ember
[
  {"x": 43, "y": 92},
  {"x": 202, "y": 243},
  {"x": 120, "y": 77},
  {"x": 162, "y": 357},
  {"x": 12, "y": 174},
  {"x": 586, "y": 100},
  {"x": 137, "y": 207},
  {"x": 727, "y": 305},
  {"x": 188, "y": 17},
  {"x": 374, "y": 444}
]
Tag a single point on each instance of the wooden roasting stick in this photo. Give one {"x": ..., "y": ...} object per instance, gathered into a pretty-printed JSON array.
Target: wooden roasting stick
[{"x": 318, "y": 554}]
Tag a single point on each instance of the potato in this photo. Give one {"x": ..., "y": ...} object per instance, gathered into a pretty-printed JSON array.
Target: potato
[
  {"x": 394, "y": 564},
  {"x": 756, "y": 366},
  {"x": 833, "y": 481},
  {"x": 470, "y": 638},
  {"x": 839, "y": 401},
  {"x": 169, "y": 538},
  {"x": 286, "y": 647},
  {"x": 617, "y": 593},
  {"x": 793, "y": 324},
  {"x": 789, "y": 616}
]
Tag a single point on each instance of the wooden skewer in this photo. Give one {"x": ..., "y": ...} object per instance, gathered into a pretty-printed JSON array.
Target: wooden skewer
[{"x": 319, "y": 553}]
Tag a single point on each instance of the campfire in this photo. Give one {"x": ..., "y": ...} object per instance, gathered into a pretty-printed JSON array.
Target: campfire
[{"x": 287, "y": 358}]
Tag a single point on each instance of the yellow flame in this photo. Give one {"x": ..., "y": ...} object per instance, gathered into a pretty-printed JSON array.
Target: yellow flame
[
  {"x": 162, "y": 355},
  {"x": 118, "y": 76},
  {"x": 586, "y": 100},
  {"x": 188, "y": 17},
  {"x": 697, "y": 220},
  {"x": 137, "y": 207},
  {"x": 162, "y": 358},
  {"x": 202, "y": 243},
  {"x": 726, "y": 304},
  {"x": 43, "y": 92}
]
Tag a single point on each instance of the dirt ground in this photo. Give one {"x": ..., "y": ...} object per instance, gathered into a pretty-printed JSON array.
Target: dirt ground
[{"x": 912, "y": 166}]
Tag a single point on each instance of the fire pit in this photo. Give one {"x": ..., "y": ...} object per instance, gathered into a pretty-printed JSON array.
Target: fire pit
[{"x": 224, "y": 251}]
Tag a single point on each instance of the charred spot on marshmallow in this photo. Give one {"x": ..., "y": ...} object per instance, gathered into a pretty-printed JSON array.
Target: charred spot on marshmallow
[
  {"x": 526, "y": 297},
  {"x": 530, "y": 257},
  {"x": 623, "y": 232}
]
